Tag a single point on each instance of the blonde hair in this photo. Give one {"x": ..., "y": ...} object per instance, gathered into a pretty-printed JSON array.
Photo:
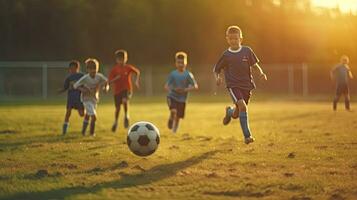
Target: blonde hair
[
  {"x": 234, "y": 30},
  {"x": 92, "y": 63},
  {"x": 181, "y": 55}
]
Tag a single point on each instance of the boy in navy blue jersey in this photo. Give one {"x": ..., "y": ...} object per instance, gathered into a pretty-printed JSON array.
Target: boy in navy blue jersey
[
  {"x": 73, "y": 95},
  {"x": 179, "y": 83},
  {"x": 342, "y": 74},
  {"x": 237, "y": 62}
]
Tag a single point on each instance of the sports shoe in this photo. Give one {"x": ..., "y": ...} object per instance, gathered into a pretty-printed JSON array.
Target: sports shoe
[
  {"x": 126, "y": 122},
  {"x": 227, "y": 118},
  {"x": 114, "y": 127},
  {"x": 249, "y": 140}
]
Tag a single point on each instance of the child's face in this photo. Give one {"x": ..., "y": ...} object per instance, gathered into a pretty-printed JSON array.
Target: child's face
[
  {"x": 73, "y": 69},
  {"x": 120, "y": 61},
  {"x": 180, "y": 64},
  {"x": 344, "y": 60},
  {"x": 92, "y": 71},
  {"x": 234, "y": 40}
]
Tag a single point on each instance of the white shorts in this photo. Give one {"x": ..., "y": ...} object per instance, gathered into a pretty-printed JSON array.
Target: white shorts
[{"x": 90, "y": 107}]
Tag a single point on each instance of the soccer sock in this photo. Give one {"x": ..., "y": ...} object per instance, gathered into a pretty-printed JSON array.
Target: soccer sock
[
  {"x": 243, "y": 118},
  {"x": 84, "y": 127},
  {"x": 347, "y": 104},
  {"x": 92, "y": 127},
  {"x": 65, "y": 127}
]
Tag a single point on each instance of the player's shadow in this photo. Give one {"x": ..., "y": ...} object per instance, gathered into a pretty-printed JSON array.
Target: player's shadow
[{"x": 152, "y": 175}]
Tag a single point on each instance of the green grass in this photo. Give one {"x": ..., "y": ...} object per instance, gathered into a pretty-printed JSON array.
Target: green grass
[{"x": 303, "y": 150}]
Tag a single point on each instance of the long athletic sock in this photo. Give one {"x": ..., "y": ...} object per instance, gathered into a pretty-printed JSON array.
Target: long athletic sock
[
  {"x": 84, "y": 127},
  {"x": 243, "y": 119},
  {"x": 92, "y": 128},
  {"x": 65, "y": 127}
]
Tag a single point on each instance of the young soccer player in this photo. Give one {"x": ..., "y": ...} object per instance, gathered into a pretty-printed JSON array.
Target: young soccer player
[
  {"x": 341, "y": 74},
  {"x": 89, "y": 85},
  {"x": 120, "y": 80},
  {"x": 237, "y": 62},
  {"x": 73, "y": 95},
  {"x": 179, "y": 83}
]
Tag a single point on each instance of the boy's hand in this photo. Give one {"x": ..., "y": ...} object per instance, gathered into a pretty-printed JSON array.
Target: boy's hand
[
  {"x": 219, "y": 81},
  {"x": 263, "y": 76},
  {"x": 137, "y": 84}
]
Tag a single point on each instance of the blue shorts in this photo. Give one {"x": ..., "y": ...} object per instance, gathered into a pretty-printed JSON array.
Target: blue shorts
[
  {"x": 75, "y": 104},
  {"x": 238, "y": 94}
]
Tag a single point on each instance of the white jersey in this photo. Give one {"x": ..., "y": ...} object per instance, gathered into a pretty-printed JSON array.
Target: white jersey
[{"x": 93, "y": 84}]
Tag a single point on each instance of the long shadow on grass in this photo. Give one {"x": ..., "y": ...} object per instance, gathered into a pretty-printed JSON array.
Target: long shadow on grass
[
  {"x": 152, "y": 175},
  {"x": 41, "y": 139}
]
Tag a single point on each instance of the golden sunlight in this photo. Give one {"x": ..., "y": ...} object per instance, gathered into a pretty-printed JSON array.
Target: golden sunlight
[{"x": 345, "y": 6}]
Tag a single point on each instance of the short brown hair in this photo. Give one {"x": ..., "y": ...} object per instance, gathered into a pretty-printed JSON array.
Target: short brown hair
[
  {"x": 234, "y": 30},
  {"x": 181, "y": 55},
  {"x": 92, "y": 63},
  {"x": 121, "y": 53},
  {"x": 74, "y": 63}
]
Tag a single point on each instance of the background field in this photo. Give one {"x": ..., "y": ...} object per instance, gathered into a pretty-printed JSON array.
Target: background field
[{"x": 303, "y": 151}]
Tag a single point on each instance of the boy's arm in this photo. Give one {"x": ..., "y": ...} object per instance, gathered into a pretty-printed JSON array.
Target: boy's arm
[
  {"x": 65, "y": 86},
  {"x": 350, "y": 74},
  {"x": 260, "y": 71},
  {"x": 218, "y": 68},
  {"x": 137, "y": 76},
  {"x": 332, "y": 74},
  {"x": 168, "y": 84},
  {"x": 193, "y": 84}
]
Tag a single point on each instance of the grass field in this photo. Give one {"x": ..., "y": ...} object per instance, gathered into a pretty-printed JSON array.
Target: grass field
[{"x": 303, "y": 151}]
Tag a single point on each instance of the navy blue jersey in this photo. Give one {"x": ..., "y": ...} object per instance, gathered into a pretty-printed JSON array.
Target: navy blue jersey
[
  {"x": 237, "y": 67},
  {"x": 341, "y": 74},
  {"x": 73, "y": 95}
]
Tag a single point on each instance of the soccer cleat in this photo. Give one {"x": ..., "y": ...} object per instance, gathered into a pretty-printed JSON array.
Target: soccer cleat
[
  {"x": 249, "y": 140},
  {"x": 170, "y": 123},
  {"x": 227, "y": 118},
  {"x": 114, "y": 127},
  {"x": 126, "y": 122}
]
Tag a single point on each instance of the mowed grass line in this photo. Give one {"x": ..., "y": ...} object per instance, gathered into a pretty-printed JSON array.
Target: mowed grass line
[{"x": 303, "y": 150}]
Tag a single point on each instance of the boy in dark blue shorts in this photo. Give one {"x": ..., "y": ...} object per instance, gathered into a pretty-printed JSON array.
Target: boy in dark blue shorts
[
  {"x": 237, "y": 62},
  {"x": 342, "y": 74},
  {"x": 73, "y": 95},
  {"x": 179, "y": 83}
]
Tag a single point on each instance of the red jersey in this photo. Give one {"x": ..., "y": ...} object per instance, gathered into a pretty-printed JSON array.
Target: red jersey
[{"x": 124, "y": 82}]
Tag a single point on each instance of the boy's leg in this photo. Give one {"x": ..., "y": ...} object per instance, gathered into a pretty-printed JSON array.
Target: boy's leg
[
  {"x": 180, "y": 114},
  {"x": 244, "y": 122},
  {"x": 347, "y": 98},
  {"x": 66, "y": 121},
  {"x": 117, "y": 102},
  {"x": 92, "y": 125},
  {"x": 85, "y": 124},
  {"x": 126, "y": 115},
  {"x": 81, "y": 110},
  {"x": 175, "y": 124},
  {"x": 172, "y": 119}
]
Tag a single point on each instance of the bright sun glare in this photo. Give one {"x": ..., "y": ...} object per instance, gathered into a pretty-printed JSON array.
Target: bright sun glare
[{"x": 345, "y": 6}]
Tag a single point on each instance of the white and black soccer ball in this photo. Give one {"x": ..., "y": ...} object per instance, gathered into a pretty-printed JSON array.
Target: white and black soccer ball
[{"x": 143, "y": 138}]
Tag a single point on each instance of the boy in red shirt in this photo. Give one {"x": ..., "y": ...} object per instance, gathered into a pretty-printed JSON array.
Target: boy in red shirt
[{"x": 120, "y": 79}]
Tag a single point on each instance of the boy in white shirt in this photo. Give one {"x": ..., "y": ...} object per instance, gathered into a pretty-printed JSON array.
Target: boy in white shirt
[{"x": 89, "y": 85}]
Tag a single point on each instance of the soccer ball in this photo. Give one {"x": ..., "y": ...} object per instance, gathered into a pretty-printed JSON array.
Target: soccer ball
[{"x": 143, "y": 138}]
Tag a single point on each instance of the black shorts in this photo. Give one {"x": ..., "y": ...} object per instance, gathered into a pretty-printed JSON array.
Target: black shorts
[
  {"x": 118, "y": 98},
  {"x": 178, "y": 106},
  {"x": 342, "y": 89},
  {"x": 238, "y": 94},
  {"x": 78, "y": 105}
]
